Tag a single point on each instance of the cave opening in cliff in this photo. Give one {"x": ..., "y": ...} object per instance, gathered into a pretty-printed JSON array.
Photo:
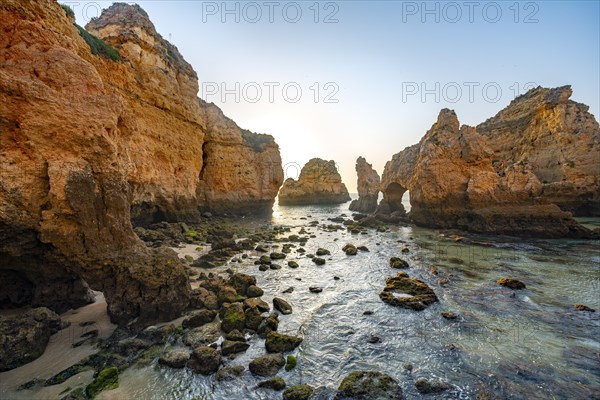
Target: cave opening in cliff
[{"x": 394, "y": 194}]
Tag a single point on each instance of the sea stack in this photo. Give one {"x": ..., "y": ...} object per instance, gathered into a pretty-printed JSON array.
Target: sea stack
[
  {"x": 319, "y": 183},
  {"x": 368, "y": 187}
]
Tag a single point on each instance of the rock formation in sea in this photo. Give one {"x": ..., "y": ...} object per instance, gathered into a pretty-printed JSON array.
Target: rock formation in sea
[
  {"x": 368, "y": 187},
  {"x": 460, "y": 178},
  {"x": 94, "y": 136},
  {"x": 319, "y": 183}
]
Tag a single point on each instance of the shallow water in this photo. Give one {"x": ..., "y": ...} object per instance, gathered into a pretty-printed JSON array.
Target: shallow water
[{"x": 528, "y": 344}]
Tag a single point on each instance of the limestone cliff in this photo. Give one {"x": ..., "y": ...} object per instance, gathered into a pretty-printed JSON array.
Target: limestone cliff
[
  {"x": 319, "y": 183},
  {"x": 559, "y": 139},
  {"x": 87, "y": 142},
  {"x": 368, "y": 187},
  {"x": 184, "y": 154},
  {"x": 456, "y": 181}
]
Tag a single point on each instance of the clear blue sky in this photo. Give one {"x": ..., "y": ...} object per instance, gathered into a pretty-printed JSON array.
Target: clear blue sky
[{"x": 377, "y": 58}]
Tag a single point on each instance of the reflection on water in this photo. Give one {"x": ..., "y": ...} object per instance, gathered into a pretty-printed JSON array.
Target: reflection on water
[{"x": 528, "y": 344}]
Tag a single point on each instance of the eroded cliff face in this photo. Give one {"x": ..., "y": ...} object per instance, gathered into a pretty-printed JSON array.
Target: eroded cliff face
[
  {"x": 456, "y": 181},
  {"x": 86, "y": 141},
  {"x": 185, "y": 156},
  {"x": 559, "y": 139},
  {"x": 368, "y": 187},
  {"x": 319, "y": 183},
  {"x": 242, "y": 170}
]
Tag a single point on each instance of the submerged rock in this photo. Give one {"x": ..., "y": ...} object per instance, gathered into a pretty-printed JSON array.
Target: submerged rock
[
  {"x": 581, "y": 307},
  {"x": 319, "y": 183},
  {"x": 369, "y": 385},
  {"x": 229, "y": 372},
  {"x": 273, "y": 383},
  {"x": 511, "y": 283},
  {"x": 107, "y": 379},
  {"x": 403, "y": 291},
  {"x": 174, "y": 357},
  {"x": 425, "y": 386}
]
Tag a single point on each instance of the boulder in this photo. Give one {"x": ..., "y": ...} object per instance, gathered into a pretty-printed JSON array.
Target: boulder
[
  {"x": 511, "y": 283},
  {"x": 233, "y": 318},
  {"x": 232, "y": 347},
  {"x": 273, "y": 383},
  {"x": 199, "y": 318},
  {"x": 174, "y": 357},
  {"x": 298, "y": 392},
  {"x": 282, "y": 306},
  {"x": 205, "y": 360},
  {"x": 403, "y": 291},
  {"x": 267, "y": 365},
  {"x": 280, "y": 343},
  {"x": 24, "y": 337},
  {"x": 369, "y": 385},
  {"x": 229, "y": 373}
]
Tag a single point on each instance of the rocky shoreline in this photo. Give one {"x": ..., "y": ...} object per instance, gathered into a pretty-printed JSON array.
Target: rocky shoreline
[{"x": 122, "y": 190}]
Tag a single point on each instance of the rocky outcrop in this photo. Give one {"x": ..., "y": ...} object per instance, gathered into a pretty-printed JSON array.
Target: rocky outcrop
[
  {"x": 319, "y": 183},
  {"x": 456, "y": 181},
  {"x": 23, "y": 337},
  {"x": 558, "y": 139},
  {"x": 88, "y": 142},
  {"x": 368, "y": 187}
]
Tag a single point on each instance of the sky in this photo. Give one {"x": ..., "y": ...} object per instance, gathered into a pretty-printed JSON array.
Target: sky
[{"x": 343, "y": 79}]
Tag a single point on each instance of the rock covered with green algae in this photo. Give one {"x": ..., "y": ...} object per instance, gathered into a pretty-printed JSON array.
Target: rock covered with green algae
[
  {"x": 273, "y": 383},
  {"x": 267, "y": 365},
  {"x": 291, "y": 362},
  {"x": 298, "y": 392},
  {"x": 369, "y": 385},
  {"x": 205, "y": 360},
  {"x": 107, "y": 379},
  {"x": 403, "y": 291},
  {"x": 280, "y": 343}
]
